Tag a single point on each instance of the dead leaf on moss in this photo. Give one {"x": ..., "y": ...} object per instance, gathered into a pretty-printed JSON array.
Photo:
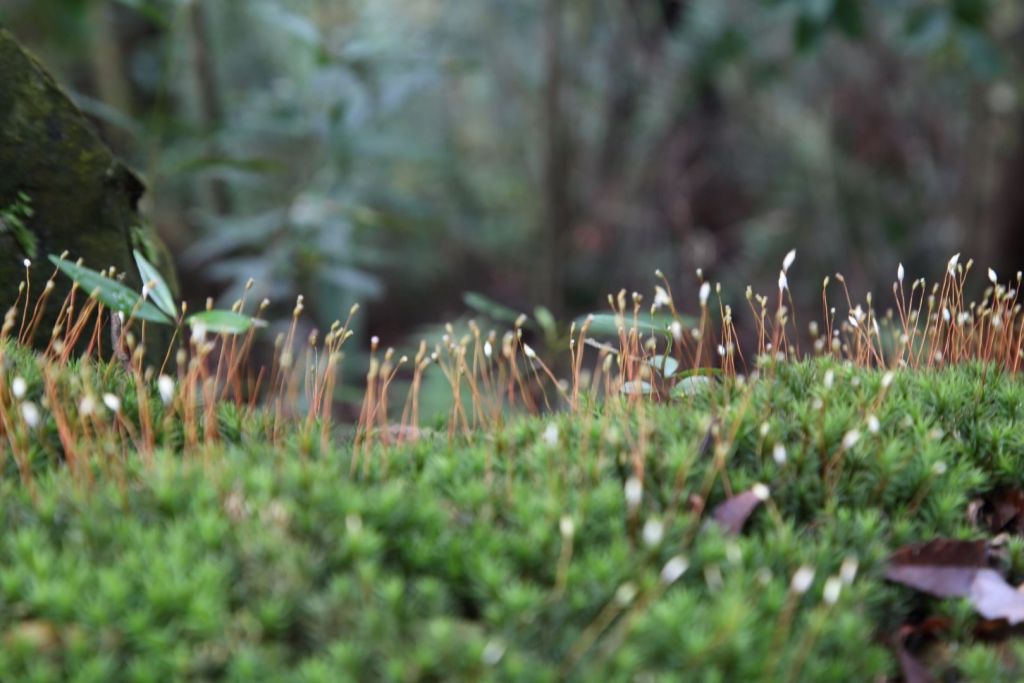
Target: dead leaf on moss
[
  {"x": 974, "y": 512},
  {"x": 958, "y": 569},
  {"x": 732, "y": 514},
  {"x": 994, "y": 598},
  {"x": 994, "y": 630},
  {"x": 911, "y": 668},
  {"x": 913, "y": 671},
  {"x": 944, "y": 568},
  {"x": 1002, "y": 510}
]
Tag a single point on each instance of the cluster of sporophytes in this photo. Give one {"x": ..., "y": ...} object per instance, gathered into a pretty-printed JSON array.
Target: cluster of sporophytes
[{"x": 649, "y": 504}]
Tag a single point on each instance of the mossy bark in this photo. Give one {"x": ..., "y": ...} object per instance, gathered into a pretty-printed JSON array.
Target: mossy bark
[{"x": 84, "y": 199}]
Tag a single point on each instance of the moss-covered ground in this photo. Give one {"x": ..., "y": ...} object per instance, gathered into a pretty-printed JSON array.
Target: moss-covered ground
[{"x": 518, "y": 553}]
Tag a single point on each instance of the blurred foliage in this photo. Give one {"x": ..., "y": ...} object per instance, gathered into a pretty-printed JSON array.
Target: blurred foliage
[{"x": 402, "y": 151}]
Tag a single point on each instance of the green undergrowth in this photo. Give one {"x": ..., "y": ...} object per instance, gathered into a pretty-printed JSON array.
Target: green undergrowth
[{"x": 513, "y": 555}]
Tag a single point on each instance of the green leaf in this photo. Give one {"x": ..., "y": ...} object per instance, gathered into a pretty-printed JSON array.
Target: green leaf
[
  {"x": 700, "y": 372},
  {"x": 111, "y": 293},
  {"x": 666, "y": 365},
  {"x": 607, "y": 324},
  {"x": 972, "y": 13},
  {"x": 849, "y": 17},
  {"x": 927, "y": 29},
  {"x": 224, "y": 322},
  {"x": 547, "y": 322},
  {"x": 982, "y": 53},
  {"x": 149, "y": 9},
  {"x": 688, "y": 386},
  {"x": 643, "y": 388},
  {"x": 482, "y": 304},
  {"x": 806, "y": 33},
  {"x": 160, "y": 292},
  {"x": 12, "y": 220},
  {"x": 818, "y": 10}
]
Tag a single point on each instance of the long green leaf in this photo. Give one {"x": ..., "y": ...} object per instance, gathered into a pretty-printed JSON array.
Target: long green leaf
[
  {"x": 224, "y": 322},
  {"x": 547, "y": 323},
  {"x": 699, "y": 372},
  {"x": 688, "y": 386},
  {"x": 489, "y": 307},
  {"x": 111, "y": 293},
  {"x": 607, "y": 324},
  {"x": 160, "y": 292}
]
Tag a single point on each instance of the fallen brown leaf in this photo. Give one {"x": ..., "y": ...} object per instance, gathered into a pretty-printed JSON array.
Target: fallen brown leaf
[
  {"x": 732, "y": 514},
  {"x": 993, "y": 598},
  {"x": 991, "y": 630},
  {"x": 956, "y": 569},
  {"x": 1003, "y": 510},
  {"x": 913, "y": 671},
  {"x": 944, "y": 568}
]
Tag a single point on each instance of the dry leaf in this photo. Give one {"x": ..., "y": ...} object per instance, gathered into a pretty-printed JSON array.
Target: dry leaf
[
  {"x": 913, "y": 671},
  {"x": 945, "y": 568},
  {"x": 1003, "y": 510},
  {"x": 955, "y": 569},
  {"x": 993, "y": 598},
  {"x": 733, "y": 513}
]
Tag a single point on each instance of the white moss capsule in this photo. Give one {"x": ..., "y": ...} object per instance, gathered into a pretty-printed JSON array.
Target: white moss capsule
[
  {"x": 802, "y": 580},
  {"x": 788, "y": 261},
  {"x": 30, "y": 413},
  {"x": 830, "y": 594},
  {"x": 113, "y": 403},
  {"x": 566, "y": 527},
  {"x": 634, "y": 492},
  {"x": 165, "y": 385},
  {"x": 674, "y": 569},
  {"x": 848, "y": 570},
  {"x": 653, "y": 532}
]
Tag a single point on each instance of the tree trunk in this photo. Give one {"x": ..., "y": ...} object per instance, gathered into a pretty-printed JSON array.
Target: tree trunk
[
  {"x": 84, "y": 199},
  {"x": 555, "y": 176},
  {"x": 1009, "y": 211}
]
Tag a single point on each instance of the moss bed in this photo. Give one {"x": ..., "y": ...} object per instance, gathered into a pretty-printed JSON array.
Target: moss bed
[{"x": 514, "y": 554}]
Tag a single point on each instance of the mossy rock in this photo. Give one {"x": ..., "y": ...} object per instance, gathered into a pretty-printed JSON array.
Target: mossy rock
[{"x": 85, "y": 201}]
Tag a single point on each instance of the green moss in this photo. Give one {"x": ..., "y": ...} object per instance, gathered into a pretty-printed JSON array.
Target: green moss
[{"x": 253, "y": 561}]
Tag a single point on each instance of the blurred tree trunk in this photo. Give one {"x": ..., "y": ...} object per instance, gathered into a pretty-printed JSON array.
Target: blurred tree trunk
[
  {"x": 557, "y": 209},
  {"x": 1009, "y": 238},
  {"x": 108, "y": 66},
  {"x": 84, "y": 199},
  {"x": 210, "y": 105}
]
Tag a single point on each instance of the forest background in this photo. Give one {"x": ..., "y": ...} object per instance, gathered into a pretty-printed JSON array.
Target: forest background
[{"x": 402, "y": 153}]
